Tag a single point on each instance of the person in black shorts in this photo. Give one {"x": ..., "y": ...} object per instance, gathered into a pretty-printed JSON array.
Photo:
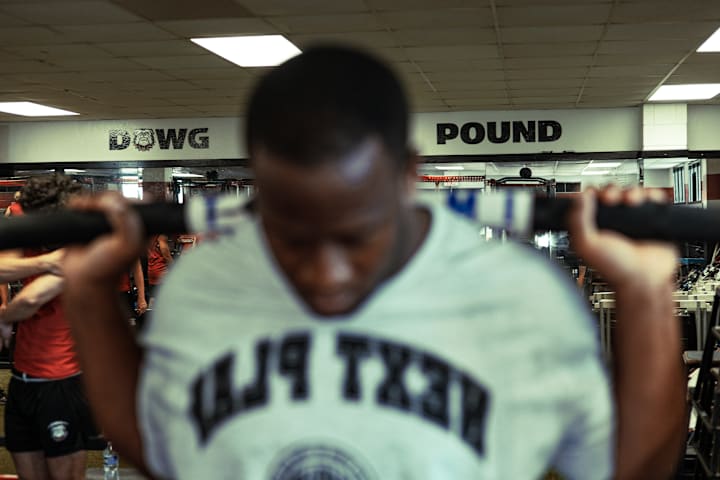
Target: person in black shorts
[{"x": 48, "y": 423}]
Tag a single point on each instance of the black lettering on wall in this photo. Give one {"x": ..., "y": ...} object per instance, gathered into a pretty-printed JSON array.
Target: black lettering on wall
[
  {"x": 549, "y": 130},
  {"x": 472, "y": 133},
  {"x": 294, "y": 363},
  {"x": 212, "y": 396},
  {"x": 475, "y": 401},
  {"x": 434, "y": 402},
  {"x": 174, "y": 137},
  {"x": 527, "y": 133},
  {"x": 391, "y": 391},
  {"x": 199, "y": 142},
  {"x": 118, "y": 139},
  {"x": 445, "y": 132},
  {"x": 492, "y": 132},
  {"x": 256, "y": 394},
  {"x": 353, "y": 349}
]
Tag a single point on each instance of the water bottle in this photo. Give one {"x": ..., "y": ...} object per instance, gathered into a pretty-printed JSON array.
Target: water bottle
[{"x": 111, "y": 462}]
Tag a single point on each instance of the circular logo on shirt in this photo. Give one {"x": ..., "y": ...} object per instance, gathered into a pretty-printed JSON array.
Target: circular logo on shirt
[
  {"x": 319, "y": 462},
  {"x": 58, "y": 431}
]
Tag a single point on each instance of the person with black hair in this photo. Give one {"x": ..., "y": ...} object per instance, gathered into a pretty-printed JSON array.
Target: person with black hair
[
  {"x": 351, "y": 332},
  {"x": 48, "y": 422},
  {"x": 14, "y": 209}
]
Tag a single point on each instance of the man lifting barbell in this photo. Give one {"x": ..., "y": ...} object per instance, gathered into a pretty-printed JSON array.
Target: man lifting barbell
[{"x": 353, "y": 332}]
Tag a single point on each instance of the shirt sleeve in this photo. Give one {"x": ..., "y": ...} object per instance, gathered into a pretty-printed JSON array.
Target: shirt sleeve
[{"x": 587, "y": 447}]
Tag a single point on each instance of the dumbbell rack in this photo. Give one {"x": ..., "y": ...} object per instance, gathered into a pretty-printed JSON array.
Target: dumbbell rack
[{"x": 705, "y": 400}]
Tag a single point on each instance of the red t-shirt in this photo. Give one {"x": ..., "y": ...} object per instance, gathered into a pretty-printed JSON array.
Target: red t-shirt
[
  {"x": 44, "y": 347},
  {"x": 125, "y": 283},
  {"x": 15, "y": 209},
  {"x": 157, "y": 265}
]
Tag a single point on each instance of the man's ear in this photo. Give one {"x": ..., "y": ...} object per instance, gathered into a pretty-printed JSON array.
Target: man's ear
[{"x": 409, "y": 175}]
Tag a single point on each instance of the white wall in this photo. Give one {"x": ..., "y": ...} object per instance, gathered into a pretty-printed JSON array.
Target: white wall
[{"x": 658, "y": 178}]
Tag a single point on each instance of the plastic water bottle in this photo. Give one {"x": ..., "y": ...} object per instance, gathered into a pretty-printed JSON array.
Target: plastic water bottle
[{"x": 111, "y": 462}]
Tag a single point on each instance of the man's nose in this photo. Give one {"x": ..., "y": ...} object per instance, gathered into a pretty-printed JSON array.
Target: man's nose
[{"x": 329, "y": 267}]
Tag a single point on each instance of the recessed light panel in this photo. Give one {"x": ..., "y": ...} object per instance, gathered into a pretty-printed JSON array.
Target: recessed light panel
[
  {"x": 30, "y": 109},
  {"x": 712, "y": 44},
  {"x": 250, "y": 51},
  {"x": 693, "y": 91}
]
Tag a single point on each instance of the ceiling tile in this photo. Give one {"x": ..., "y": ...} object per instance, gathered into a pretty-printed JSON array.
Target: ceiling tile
[
  {"x": 468, "y": 75},
  {"x": 438, "y": 18},
  {"x": 217, "y": 27},
  {"x": 160, "y": 10},
  {"x": 666, "y": 11},
  {"x": 53, "y": 52},
  {"x": 235, "y": 83},
  {"x": 194, "y": 61},
  {"x": 405, "y": 5},
  {"x": 545, "y": 73},
  {"x": 9, "y": 20},
  {"x": 353, "y": 22},
  {"x": 10, "y": 36},
  {"x": 545, "y": 83},
  {"x": 549, "y": 49},
  {"x": 95, "y": 64},
  {"x": 654, "y": 71},
  {"x": 112, "y": 33},
  {"x": 70, "y": 13},
  {"x": 293, "y": 7},
  {"x": 376, "y": 39},
  {"x": 458, "y": 52},
  {"x": 648, "y": 58},
  {"x": 551, "y": 15},
  {"x": 586, "y": 33},
  {"x": 445, "y": 65},
  {"x": 232, "y": 71},
  {"x": 629, "y": 82},
  {"x": 642, "y": 46},
  {"x": 27, "y": 66},
  {"x": 663, "y": 31},
  {"x": 445, "y": 36},
  {"x": 547, "y": 62},
  {"x": 152, "y": 48}
]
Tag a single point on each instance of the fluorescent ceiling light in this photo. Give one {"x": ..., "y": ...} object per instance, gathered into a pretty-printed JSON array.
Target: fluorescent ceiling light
[
  {"x": 691, "y": 91},
  {"x": 595, "y": 172},
  {"x": 450, "y": 167},
  {"x": 251, "y": 51},
  {"x": 74, "y": 170},
  {"x": 712, "y": 44},
  {"x": 30, "y": 109},
  {"x": 604, "y": 165},
  {"x": 187, "y": 175}
]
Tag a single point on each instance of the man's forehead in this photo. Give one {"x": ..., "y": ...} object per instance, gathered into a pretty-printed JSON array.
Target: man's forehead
[{"x": 367, "y": 159}]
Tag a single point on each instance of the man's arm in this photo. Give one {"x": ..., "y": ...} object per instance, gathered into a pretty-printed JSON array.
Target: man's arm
[
  {"x": 139, "y": 279},
  {"x": 13, "y": 266},
  {"x": 104, "y": 342},
  {"x": 33, "y": 296},
  {"x": 649, "y": 379},
  {"x": 165, "y": 249}
]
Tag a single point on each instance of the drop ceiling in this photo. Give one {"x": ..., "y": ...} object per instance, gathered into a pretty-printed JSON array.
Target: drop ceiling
[{"x": 132, "y": 58}]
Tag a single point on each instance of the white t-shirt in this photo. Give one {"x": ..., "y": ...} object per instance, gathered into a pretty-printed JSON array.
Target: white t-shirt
[{"x": 477, "y": 360}]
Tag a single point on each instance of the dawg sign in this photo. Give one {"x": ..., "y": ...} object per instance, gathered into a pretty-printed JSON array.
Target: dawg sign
[{"x": 144, "y": 139}]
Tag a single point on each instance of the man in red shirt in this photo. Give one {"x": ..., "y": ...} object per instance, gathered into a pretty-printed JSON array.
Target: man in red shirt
[
  {"x": 47, "y": 418},
  {"x": 159, "y": 260},
  {"x": 14, "y": 209}
]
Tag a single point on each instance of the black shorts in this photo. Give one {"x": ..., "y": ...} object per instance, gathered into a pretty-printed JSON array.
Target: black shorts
[{"x": 50, "y": 416}]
